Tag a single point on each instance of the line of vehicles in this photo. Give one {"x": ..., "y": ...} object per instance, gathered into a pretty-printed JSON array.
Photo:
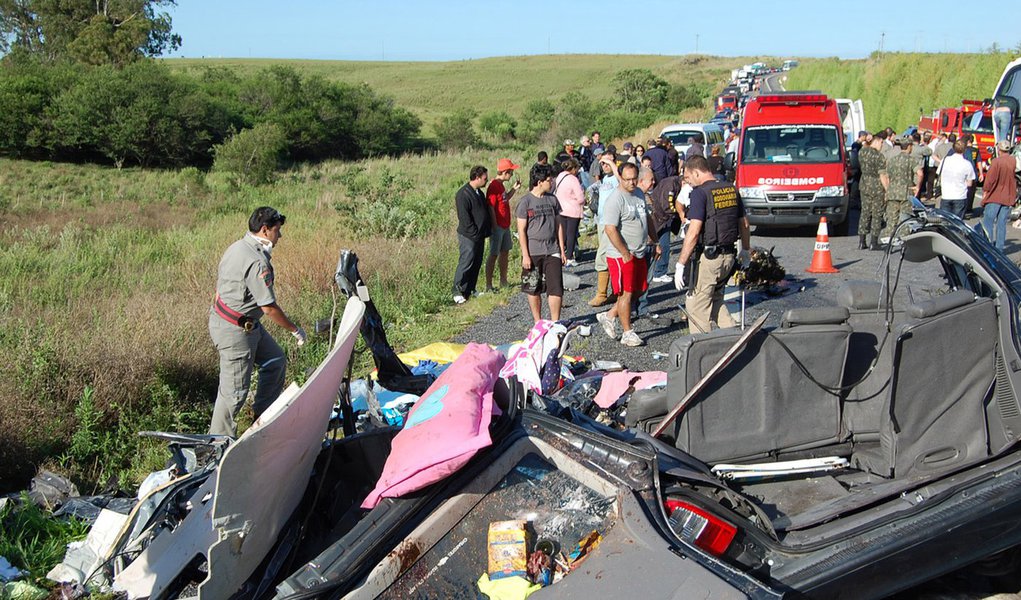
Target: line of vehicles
[{"x": 790, "y": 164}]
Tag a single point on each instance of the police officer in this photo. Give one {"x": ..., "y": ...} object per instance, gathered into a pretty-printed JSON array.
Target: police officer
[
  {"x": 244, "y": 293},
  {"x": 716, "y": 221},
  {"x": 905, "y": 173},
  {"x": 874, "y": 181}
]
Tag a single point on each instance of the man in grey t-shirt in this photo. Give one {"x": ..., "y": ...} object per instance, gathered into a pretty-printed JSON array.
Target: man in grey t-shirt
[
  {"x": 542, "y": 244},
  {"x": 628, "y": 225}
]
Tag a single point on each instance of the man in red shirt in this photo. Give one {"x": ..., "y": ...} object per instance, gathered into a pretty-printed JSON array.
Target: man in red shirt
[
  {"x": 500, "y": 242},
  {"x": 999, "y": 194}
]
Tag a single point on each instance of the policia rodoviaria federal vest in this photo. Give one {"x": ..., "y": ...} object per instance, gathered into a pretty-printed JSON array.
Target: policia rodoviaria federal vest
[{"x": 720, "y": 231}]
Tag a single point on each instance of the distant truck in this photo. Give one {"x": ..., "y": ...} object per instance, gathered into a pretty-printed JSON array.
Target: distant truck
[
  {"x": 791, "y": 161},
  {"x": 725, "y": 101},
  {"x": 972, "y": 116},
  {"x": 789, "y": 64}
]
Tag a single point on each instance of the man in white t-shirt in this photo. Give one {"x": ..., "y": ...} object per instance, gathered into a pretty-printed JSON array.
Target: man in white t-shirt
[{"x": 956, "y": 175}]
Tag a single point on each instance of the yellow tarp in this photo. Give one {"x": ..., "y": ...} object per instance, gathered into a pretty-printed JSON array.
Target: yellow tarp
[{"x": 441, "y": 352}]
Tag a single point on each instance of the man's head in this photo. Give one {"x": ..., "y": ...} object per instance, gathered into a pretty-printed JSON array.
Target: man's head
[
  {"x": 586, "y": 141},
  {"x": 881, "y": 134},
  {"x": 265, "y": 222},
  {"x": 876, "y": 141},
  {"x": 628, "y": 177},
  {"x": 570, "y": 165},
  {"x": 540, "y": 179},
  {"x": 646, "y": 179},
  {"x": 569, "y": 146},
  {"x": 646, "y": 162},
  {"x": 943, "y": 137},
  {"x": 927, "y": 137},
  {"x": 916, "y": 137},
  {"x": 952, "y": 138},
  {"x": 959, "y": 147},
  {"x": 606, "y": 161},
  {"x": 505, "y": 168},
  {"x": 542, "y": 158},
  {"x": 863, "y": 135},
  {"x": 905, "y": 143},
  {"x": 595, "y": 137},
  {"x": 1003, "y": 147},
  {"x": 628, "y": 147},
  {"x": 478, "y": 176},
  {"x": 968, "y": 139},
  {"x": 697, "y": 171}
]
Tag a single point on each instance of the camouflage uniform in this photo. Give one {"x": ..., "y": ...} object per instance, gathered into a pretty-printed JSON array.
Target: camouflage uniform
[
  {"x": 873, "y": 196},
  {"x": 903, "y": 171}
]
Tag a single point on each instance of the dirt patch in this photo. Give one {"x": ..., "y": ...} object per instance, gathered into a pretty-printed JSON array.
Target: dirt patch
[{"x": 150, "y": 217}]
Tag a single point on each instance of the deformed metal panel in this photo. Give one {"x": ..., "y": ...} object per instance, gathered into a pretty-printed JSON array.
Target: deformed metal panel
[{"x": 262, "y": 477}]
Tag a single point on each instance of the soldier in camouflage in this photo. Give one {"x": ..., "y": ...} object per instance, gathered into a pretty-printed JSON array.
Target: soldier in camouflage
[
  {"x": 905, "y": 173},
  {"x": 244, "y": 294},
  {"x": 874, "y": 182}
]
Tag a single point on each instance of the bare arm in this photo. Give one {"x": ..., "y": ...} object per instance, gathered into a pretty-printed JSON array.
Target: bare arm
[
  {"x": 618, "y": 242},
  {"x": 560, "y": 238},
  {"x": 276, "y": 314},
  {"x": 652, "y": 240},
  {"x": 746, "y": 234},
  {"x": 885, "y": 180},
  {"x": 526, "y": 258}
]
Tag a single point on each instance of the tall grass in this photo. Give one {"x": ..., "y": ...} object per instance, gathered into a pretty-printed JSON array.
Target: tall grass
[
  {"x": 897, "y": 88},
  {"x": 33, "y": 541}
]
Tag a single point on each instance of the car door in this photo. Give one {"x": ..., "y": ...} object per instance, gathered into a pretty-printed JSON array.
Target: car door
[
  {"x": 1008, "y": 91},
  {"x": 852, "y": 119}
]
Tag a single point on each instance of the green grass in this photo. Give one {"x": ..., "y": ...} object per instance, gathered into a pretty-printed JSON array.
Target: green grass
[
  {"x": 897, "y": 88},
  {"x": 34, "y": 541}
]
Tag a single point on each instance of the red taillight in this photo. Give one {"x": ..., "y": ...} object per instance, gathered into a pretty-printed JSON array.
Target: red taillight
[
  {"x": 793, "y": 99},
  {"x": 695, "y": 525}
]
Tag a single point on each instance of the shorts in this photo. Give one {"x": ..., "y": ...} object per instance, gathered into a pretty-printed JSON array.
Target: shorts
[
  {"x": 500, "y": 241},
  {"x": 631, "y": 276},
  {"x": 547, "y": 276}
]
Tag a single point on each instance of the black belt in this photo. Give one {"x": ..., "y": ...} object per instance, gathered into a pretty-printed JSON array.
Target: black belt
[{"x": 712, "y": 252}]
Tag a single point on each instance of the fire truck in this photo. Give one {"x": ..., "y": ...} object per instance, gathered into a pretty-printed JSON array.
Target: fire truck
[{"x": 972, "y": 116}]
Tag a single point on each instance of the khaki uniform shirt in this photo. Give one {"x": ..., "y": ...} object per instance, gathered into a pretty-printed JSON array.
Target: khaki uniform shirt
[{"x": 245, "y": 278}]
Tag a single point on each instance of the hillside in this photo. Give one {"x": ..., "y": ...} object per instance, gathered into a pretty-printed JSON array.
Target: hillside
[
  {"x": 434, "y": 89},
  {"x": 897, "y": 88}
]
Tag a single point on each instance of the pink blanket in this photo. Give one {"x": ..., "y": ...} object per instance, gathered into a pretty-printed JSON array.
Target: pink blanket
[
  {"x": 615, "y": 384},
  {"x": 447, "y": 426}
]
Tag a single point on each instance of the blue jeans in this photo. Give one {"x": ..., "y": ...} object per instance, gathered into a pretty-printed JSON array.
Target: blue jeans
[
  {"x": 994, "y": 221},
  {"x": 954, "y": 206},
  {"x": 1002, "y": 117},
  {"x": 661, "y": 266},
  {"x": 643, "y": 301}
]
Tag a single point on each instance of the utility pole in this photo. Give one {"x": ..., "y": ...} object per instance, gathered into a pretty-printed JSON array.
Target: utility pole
[{"x": 882, "y": 38}]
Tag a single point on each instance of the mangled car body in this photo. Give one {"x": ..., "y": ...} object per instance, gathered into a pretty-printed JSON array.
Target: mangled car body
[{"x": 852, "y": 451}]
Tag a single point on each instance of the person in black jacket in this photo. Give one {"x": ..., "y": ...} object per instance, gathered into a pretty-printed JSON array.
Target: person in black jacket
[{"x": 474, "y": 223}]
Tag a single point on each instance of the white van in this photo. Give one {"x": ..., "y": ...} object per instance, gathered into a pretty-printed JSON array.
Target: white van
[
  {"x": 852, "y": 119},
  {"x": 679, "y": 134}
]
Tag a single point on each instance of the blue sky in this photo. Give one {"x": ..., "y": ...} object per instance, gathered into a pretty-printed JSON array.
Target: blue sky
[{"x": 431, "y": 30}]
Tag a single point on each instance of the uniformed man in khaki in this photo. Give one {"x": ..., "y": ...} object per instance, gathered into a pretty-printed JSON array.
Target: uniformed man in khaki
[
  {"x": 244, "y": 294},
  {"x": 716, "y": 223}
]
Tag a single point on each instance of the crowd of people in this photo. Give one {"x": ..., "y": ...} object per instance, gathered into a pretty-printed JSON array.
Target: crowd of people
[
  {"x": 639, "y": 198},
  {"x": 887, "y": 171}
]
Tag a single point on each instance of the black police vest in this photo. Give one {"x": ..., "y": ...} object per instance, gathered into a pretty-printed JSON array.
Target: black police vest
[{"x": 723, "y": 210}]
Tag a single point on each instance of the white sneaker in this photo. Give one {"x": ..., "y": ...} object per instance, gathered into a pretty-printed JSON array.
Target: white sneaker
[
  {"x": 571, "y": 264},
  {"x": 630, "y": 338},
  {"x": 609, "y": 325},
  {"x": 663, "y": 279},
  {"x": 459, "y": 299}
]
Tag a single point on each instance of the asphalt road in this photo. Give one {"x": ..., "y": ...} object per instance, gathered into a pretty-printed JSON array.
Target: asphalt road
[{"x": 792, "y": 247}]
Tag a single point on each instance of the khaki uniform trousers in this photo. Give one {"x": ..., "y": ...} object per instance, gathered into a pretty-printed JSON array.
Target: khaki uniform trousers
[{"x": 705, "y": 302}]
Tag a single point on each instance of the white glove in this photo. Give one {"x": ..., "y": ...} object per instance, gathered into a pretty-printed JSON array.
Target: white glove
[
  {"x": 300, "y": 335},
  {"x": 679, "y": 277},
  {"x": 744, "y": 257}
]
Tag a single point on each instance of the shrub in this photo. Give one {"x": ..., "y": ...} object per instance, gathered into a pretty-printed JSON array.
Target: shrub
[
  {"x": 499, "y": 125},
  {"x": 252, "y": 155},
  {"x": 639, "y": 90},
  {"x": 456, "y": 131},
  {"x": 536, "y": 119}
]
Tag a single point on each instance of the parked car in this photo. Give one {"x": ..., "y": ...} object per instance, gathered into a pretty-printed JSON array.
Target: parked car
[
  {"x": 679, "y": 134},
  {"x": 851, "y": 452}
]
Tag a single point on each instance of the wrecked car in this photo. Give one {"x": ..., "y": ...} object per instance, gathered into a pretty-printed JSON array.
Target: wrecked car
[{"x": 853, "y": 451}]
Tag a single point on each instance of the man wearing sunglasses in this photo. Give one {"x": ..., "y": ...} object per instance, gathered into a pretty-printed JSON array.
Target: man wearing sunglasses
[{"x": 244, "y": 294}]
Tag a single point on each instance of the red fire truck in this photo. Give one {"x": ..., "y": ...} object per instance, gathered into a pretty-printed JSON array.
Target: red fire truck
[
  {"x": 972, "y": 116},
  {"x": 791, "y": 160}
]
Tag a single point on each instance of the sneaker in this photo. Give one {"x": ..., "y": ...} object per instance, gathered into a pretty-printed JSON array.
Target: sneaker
[
  {"x": 571, "y": 264},
  {"x": 459, "y": 299},
  {"x": 630, "y": 338},
  {"x": 663, "y": 279},
  {"x": 609, "y": 325}
]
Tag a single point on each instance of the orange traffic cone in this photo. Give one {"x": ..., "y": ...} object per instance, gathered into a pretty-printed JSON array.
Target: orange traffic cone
[{"x": 821, "y": 261}]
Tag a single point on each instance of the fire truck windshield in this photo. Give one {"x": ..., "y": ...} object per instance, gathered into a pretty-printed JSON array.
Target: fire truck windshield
[
  {"x": 978, "y": 123},
  {"x": 791, "y": 144}
]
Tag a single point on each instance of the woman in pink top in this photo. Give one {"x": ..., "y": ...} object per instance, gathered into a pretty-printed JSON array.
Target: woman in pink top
[{"x": 572, "y": 205}]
